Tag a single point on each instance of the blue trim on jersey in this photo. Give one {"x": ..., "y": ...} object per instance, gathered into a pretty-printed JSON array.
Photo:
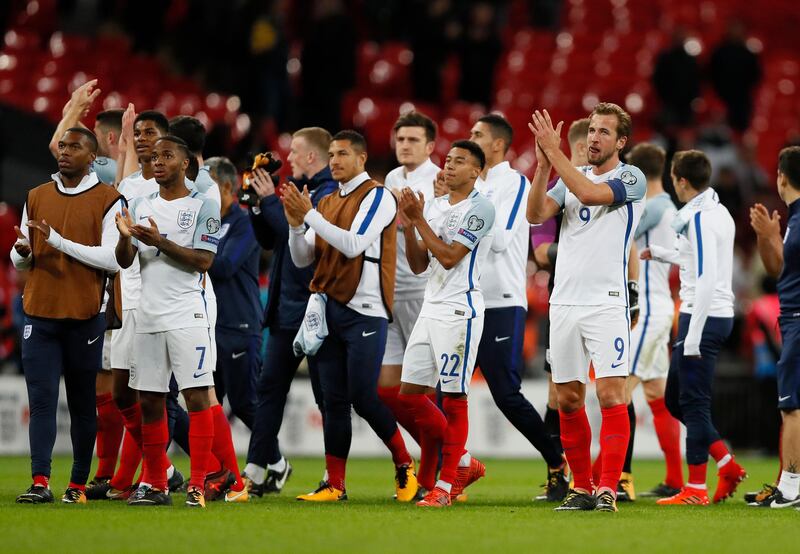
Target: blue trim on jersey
[
  {"x": 195, "y": 193},
  {"x": 628, "y": 228},
  {"x": 517, "y": 202},
  {"x": 647, "y": 303},
  {"x": 371, "y": 213},
  {"x": 699, "y": 244},
  {"x": 466, "y": 354},
  {"x": 472, "y": 257}
]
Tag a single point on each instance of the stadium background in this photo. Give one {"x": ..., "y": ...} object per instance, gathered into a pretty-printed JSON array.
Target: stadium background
[{"x": 719, "y": 75}]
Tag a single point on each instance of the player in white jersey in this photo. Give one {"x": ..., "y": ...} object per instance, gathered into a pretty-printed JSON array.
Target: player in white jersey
[
  {"x": 175, "y": 248},
  {"x": 415, "y": 138},
  {"x": 602, "y": 204},
  {"x": 500, "y": 350},
  {"x": 704, "y": 251},
  {"x": 650, "y": 338},
  {"x": 456, "y": 233}
]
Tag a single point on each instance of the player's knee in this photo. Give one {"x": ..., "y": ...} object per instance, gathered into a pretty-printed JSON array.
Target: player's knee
[{"x": 197, "y": 399}]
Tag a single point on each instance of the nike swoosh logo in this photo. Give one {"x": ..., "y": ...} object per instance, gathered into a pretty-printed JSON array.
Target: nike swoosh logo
[
  {"x": 365, "y": 334},
  {"x": 94, "y": 340},
  {"x": 448, "y": 381},
  {"x": 501, "y": 339},
  {"x": 782, "y": 398},
  {"x": 198, "y": 375},
  {"x": 616, "y": 365},
  {"x": 141, "y": 217},
  {"x": 237, "y": 355},
  {"x": 677, "y": 343}
]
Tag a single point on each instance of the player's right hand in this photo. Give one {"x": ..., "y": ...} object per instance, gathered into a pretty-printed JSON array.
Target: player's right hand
[
  {"x": 762, "y": 223},
  {"x": 22, "y": 246},
  {"x": 645, "y": 254},
  {"x": 262, "y": 183},
  {"x": 124, "y": 223}
]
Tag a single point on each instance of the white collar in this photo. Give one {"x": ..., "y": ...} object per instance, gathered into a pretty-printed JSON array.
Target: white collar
[
  {"x": 494, "y": 171},
  {"x": 86, "y": 183},
  {"x": 352, "y": 184},
  {"x": 427, "y": 165}
]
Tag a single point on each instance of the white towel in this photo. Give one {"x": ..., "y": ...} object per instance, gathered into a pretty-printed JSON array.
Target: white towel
[{"x": 314, "y": 328}]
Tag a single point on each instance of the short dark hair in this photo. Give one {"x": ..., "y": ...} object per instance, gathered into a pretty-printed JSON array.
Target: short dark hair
[
  {"x": 182, "y": 146},
  {"x": 499, "y": 127},
  {"x": 87, "y": 133},
  {"x": 649, "y": 158},
  {"x": 110, "y": 119},
  {"x": 472, "y": 148},
  {"x": 160, "y": 120},
  {"x": 357, "y": 140},
  {"x": 190, "y": 130},
  {"x": 578, "y": 130},
  {"x": 417, "y": 119},
  {"x": 624, "y": 121},
  {"x": 694, "y": 166},
  {"x": 789, "y": 165},
  {"x": 224, "y": 170}
]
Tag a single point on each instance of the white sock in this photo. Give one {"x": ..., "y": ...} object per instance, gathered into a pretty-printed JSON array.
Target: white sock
[
  {"x": 789, "y": 485},
  {"x": 325, "y": 476},
  {"x": 445, "y": 486},
  {"x": 170, "y": 472},
  {"x": 724, "y": 460},
  {"x": 255, "y": 473},
  {"x": 280, "y": 466},
  {"x": 466, "y": 459},
  {"x": 701, "y": 486},
  {"x": 143, "y": 484}
]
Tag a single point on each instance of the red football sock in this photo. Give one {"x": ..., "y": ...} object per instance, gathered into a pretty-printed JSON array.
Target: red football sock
[
  {"x": 455, "y": 437},
  {"x": 576, "y": 438},
  {"x": 615, "y": 432},
  {"x": 597, "y": 468},
  {"x": 155, "y": 437},
  {"x": 718, "y": 450},
  {"x": 41, "y": 480},
  {"x": 223, "y": 445},
  {"x": 697, "y": 474},
  {"x": 397, "y": 446},
  {"x": 668, "y": 431},
  {"x": 336, "y": 470},
  {"x": 79, "y": 486},
  {"x": 389, "y": 396},
  {"x": 109, "y": 434},
  {"x": 131, "y": 447},
  {"x": 201, "y": 437},
  {"x": 432, "y": 424}
]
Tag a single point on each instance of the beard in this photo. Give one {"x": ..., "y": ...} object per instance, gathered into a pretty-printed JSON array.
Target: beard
[{"x": 601, "y": 159}]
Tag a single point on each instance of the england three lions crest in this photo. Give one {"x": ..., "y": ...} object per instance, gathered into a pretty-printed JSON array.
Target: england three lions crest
[{"x": 186, "y": 219}]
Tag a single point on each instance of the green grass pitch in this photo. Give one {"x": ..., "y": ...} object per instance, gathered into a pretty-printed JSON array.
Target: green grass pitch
[{"x": 499, "y": 517}]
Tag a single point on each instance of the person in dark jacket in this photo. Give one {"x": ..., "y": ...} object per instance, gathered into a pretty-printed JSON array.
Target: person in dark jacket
[
  {"x": 235, "y": 276},
  {"x": 267, "y": 470}
]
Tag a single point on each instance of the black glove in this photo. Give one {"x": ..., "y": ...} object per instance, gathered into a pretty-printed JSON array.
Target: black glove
[{"x": 633, "y": 301}]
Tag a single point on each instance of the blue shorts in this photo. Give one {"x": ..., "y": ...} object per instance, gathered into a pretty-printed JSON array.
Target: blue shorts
[{"x": 789, "y": 364}]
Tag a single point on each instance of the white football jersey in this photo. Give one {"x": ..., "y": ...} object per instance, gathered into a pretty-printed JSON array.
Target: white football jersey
[
  {"x": 655, "y": 228},
  {"x": 132, "y": 187},
  {"x": 595, "y": 241},
  {"x": 173, "y": 296},
  {"x": 504, "y": 286},
  {"x": 408, "y": 285},
  {"x": 454, "y": 294}
]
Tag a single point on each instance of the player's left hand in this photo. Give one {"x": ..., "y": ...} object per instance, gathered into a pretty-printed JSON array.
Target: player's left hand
[
  {"x": 547, "y": 137},
  {"x": 126, "y": 134},
  {"x": 411, "y": 205},
  {"x": 296, "y": 204},
  {"x": 440, "y": 188},
  {"x": 147, "y": 235},
  {"x": 762, "y": 223},
  {"x": 633, "y": 299},
  {"x": 40, "y": 226}
]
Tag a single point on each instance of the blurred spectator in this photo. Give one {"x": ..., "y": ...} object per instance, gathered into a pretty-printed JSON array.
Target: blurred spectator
[
  {"x": 676, "y": 79},
  {"x": 735, "y": 72},
  {"x": 763, "y": 336},
  {"x": 328, "y": 64},
  {"x": 479, "y": 51}
]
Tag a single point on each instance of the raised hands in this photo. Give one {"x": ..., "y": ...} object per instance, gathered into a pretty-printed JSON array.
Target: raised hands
[
  {"x": 296, "y": 204},
  {"x": 548, "y": 137},
  {"x": 124, "y": 223},
  {"x": 762, "y": 223},
  {"x": 410, "y": 205}
]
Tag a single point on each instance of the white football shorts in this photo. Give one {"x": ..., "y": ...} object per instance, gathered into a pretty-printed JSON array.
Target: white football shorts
[
  {"x": 650, "y": 347},
  {"x": 122, "y": 341},
  {"x": 442, "y": 352},
  {"x": 186, "y": 353},
  {"x": 405, "y": 314},
  {"x": 580, "y": 334}
]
